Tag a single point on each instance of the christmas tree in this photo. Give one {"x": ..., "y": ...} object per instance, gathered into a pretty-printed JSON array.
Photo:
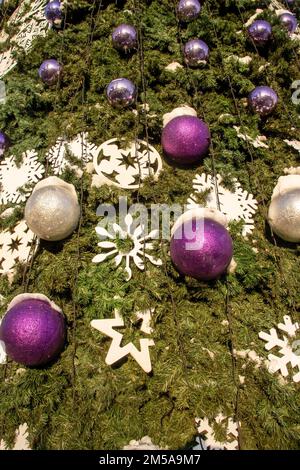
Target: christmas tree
[{"x": 209, "y": 365}]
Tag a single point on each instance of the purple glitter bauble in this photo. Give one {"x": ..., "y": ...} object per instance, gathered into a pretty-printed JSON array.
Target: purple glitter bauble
[
  {"x": 53, "y": 12},
  {"x": 124, "y": 37},
  {"x": 4, "y": 143},
  {"x": 260, "y": 31},
  {"x": 201, "y": 248},
  {"x": 195, "y": 51},
  {"x": 263, "y": 100},
  {"x": 121, "y": 93},
  {"x": 50, "y": 71},
  {"x": 289, "y": 21},
  {"x": 188, "y": 10},
  {"x": 185, "y": 139},
  {"x": 33, "y": 332}
]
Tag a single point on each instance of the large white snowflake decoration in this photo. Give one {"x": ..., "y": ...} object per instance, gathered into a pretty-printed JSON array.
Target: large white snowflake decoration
[
  {"x": 79, "y": 147},
  {"x": 237, "y": 205},
  {"x": 2, "y": 350},
  {"x": 29, "y": 22},
  {"x": 126, "y": 167},
  {"x": 288, "y": 352},
  {"x": 207, "y": 432},
  {"x": 137, "y": 251},
  {"x": 15, "y": 180},
  {"x": 16, "y": 245},
  {"x": 117, "y": 352}
]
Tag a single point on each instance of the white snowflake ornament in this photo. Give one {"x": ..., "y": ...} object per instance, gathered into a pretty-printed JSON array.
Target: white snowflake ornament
[
  {"x": 125, "y": 167},
  {"x": 235, "y": 205},
  {"x": 288, "y": 352},
  {"x": 79, "y": 147},
  {"x": 16, "y": 180},
  {"x": 16, "y": 245},
  {"x": 117, "y": 352},
  {"x": 207, "y": 431},
  {"x": 27, "y": 22},
  {"x": 138, "y": 241}
]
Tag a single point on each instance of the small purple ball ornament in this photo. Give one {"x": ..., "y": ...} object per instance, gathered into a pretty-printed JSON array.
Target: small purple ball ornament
[
  {"x": 185, "y": 139},
  {"x": 33, "y": 330},
  {"x": 4, "y": 143},
  {"x": 188, "y": 10},
  {"x": 263, "y": 100},
  {"x": 50, "y": 71},
  {"x": 200, "y": 246},
  {"x": 195, "y": 52},
  {"x": 260, "y": 32},
  {"x": 124, "y": 37},
  {"x": 289, "y": 21},
  {"x": 53, "y": 13},
  {"x": 121, "y": 93}
]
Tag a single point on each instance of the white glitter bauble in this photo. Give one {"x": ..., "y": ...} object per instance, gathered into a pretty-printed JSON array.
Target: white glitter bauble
[
  {"x": 284, "y": 210},
  {"x": 52, "y": 212}
]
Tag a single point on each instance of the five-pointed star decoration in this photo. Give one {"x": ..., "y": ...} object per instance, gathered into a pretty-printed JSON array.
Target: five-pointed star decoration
[{"x": 116, "y": 351}]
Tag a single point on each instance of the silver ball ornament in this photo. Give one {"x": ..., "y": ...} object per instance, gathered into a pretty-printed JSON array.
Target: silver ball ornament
[
  {"x": 52, "y": 212},
  {"x": 284, "y": 215}
]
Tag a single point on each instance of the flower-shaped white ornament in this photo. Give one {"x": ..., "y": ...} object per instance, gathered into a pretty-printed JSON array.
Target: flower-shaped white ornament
[
  {"x": 16, "y": 180},
  {"x": 79, "y": 147},
  {"x": 125, "y": 167},
  {"x": 138, "y": 250},
  {"x": 17, "y": 245},
  {"x": 235, "y": 205},
  {"x": 27, "y": 23}
]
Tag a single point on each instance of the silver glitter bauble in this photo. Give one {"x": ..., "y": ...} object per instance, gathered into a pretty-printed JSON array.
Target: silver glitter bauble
[
  {"x": 52, "y": 212},
  {"x": 284, "y": 215}
]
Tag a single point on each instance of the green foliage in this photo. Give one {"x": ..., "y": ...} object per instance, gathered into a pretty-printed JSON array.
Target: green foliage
[{"x": 78, "y": 402}]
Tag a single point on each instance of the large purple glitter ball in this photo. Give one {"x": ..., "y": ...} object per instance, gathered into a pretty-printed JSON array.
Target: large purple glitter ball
[
  {"x": 201, "y": 248},
  {"x": 289, "y": 21},
  {"x": 188, "y": 10},
  {"x": 185, "y": 139},
  {"x": 33, "y": 332},
  {"x": 260, "y": 31},
  {"x": 124, "y": 37},
  {"x": 4, "y": 143},
  {"x": 195, "y": 51},
  {"x": 121, "y": 92},
  {"x": 53, "y": 12},
  {"x": 50, "y": 71},
  {"x": 263, "y": 100}
]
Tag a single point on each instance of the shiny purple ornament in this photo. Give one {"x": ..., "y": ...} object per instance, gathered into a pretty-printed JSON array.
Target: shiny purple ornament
[
  {"x": 4, "y": 143},
  {"x": 121, "y": 93},
  {"x": 260, "y": 31},
  {"x": 188, "y": 10},
  {"x": 50, "y": 71},
  {"x": 185, "y": 139},
  {"x": 195, "y": 51},
  {"x": 263, "y": 100},
  {"x": 124, "y": 37},
  {"x": 201, "y": 248},
  {"x": 53, "y": 12},
  {"x": 289, "y": 21},
  {"x": 33, "y": 332}
]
